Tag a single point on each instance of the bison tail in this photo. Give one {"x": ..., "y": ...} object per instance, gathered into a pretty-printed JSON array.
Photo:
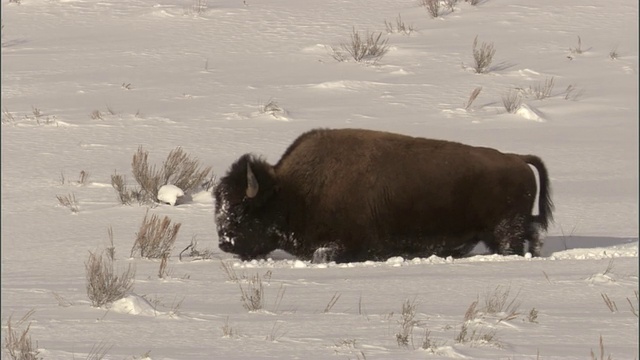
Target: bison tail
[{"x": 545, "y": 204}]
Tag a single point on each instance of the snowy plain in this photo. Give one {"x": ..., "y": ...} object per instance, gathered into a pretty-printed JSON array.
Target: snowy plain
[{"x": 86, "y": 82}]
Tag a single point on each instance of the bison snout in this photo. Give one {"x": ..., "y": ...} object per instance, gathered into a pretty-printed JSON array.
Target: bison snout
[{"x": 226, "y": 246}]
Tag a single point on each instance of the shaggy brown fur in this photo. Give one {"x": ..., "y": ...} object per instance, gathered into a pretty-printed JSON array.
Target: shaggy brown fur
[{"x": 371, "y": 195}]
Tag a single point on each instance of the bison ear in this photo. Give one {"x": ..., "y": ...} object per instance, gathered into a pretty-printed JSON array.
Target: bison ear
[{"x": 252, "y": 183}]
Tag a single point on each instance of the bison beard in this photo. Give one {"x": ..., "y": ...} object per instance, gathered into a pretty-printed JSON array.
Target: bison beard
[{"x": 353, "y": 195}]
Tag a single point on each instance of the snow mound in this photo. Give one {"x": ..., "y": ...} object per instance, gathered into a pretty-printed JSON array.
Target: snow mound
[
  {"x": 134, "y": 305},
  {"x": 169, "y": 194}
]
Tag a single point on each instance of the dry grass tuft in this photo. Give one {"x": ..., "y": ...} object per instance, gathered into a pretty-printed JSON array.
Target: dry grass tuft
[
  {"x": 156, "y": 237},
  {"x": 369, "y": 48},
  {"x": 483, "y": 56},
  {"x": 17, "y": 342},
  {"x": 472, "y": 97},
  {"x": 253, "y": 296},
  {"x": 407, "y": 323},
  {"x": 512, "y": 101},
  {"x": 69, "y": 201},
  {"x": 399, "y": 28}
]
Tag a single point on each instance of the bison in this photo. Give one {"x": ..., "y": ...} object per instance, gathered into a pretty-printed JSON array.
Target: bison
[{"x": 349, "y": 195}]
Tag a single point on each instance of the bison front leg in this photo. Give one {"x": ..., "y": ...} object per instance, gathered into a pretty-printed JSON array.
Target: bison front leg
[
  {"x": 510, "y": 236},
  {"x": 326, "y": 254}
]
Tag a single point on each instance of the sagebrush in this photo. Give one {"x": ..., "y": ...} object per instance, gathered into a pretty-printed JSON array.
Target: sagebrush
[
  {"x": 156, "y": 237},
  {"x": 104, "y": 285},
  {"x": 369, "y": 48},
  {"x": 179, "y": 169}
]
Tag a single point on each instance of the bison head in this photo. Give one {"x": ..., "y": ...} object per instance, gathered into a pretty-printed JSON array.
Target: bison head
[{"x": 245, "y": 213}]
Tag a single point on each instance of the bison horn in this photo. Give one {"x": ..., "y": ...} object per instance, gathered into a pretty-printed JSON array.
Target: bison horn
[{"x": 252, "y": 183}]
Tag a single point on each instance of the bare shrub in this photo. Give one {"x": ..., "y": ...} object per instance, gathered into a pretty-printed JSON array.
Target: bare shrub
[
  {"x": 69, "y": 201},
  {"x": 178, "y": 169},
  {"x": 7, "y": 116},
  {"x": 472, "y": 97},
  {"x": 146, "y": 175},
  {"x": 17, "y": 342},
  {"x": 125, "y": 195},
  {"x": 482, "y": 56},
  {"x": 370, "y": 48},
  {"x": 96, "y": 115},
  {"x": 499, "y": 300},
  {"x": 196, "y": 253},
  {"x": 400, "y": 27},
  {"x": 182, "y": 171},
  {"x": 542, "y": 91},
  {"x": 512, "y": 101},
  {"x": 272, "y": 108},
  {"x": 156, "y": 237},
  {"x": 476, "y": 335},
  {"x": 432, "y": 7},
  {"x": 407, "y": 323},
  {"x": 253, "y": 296},
  {"x": 231, "y": 273},
  {"x": 103, "y": 284}
]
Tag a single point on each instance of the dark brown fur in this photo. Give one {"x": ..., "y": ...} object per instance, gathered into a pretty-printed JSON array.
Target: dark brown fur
[{"x": 371, "y": 195}]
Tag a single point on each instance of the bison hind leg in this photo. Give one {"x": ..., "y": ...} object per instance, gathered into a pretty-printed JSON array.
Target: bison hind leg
[
  {"x": 535, "y": 243},
  {"x": 510, "y": 236}
]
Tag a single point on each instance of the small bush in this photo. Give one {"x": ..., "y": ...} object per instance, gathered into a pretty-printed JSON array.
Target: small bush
[
  {"x": 400, "y": 27},
  {"x": 156, "y": 237},
  {"x": 482, "y": 56},
  {"x": 512, "y": 101},
  {"x": 17, "y": 342},
  {"x": 432, "y": 7},
  {"x": 370, "y": 48},
  {"x": 272, "y": 108},
  {"x": 103, "y": 284},
  {"x": 125, "y": 195},
  {"x": 69, "y": 201},
  {"x": 253, "y": 296},
  {"x": 178, "y": 169},
  {"x": 407, "y": 323}
]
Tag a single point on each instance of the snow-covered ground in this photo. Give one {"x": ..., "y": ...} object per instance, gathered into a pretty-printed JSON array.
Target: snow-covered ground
[{"x": 86, "y": 82}]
